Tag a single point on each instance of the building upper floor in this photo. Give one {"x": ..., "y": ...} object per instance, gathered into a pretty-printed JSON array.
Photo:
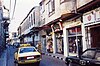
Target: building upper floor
[
  {"x": 51, "y": 11},
  {"x": 31, "y": 20}
]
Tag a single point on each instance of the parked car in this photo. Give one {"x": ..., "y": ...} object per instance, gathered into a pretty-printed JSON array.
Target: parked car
[
  {"x": 26, "y": 55},
  {"x": 90, "y": 57}
]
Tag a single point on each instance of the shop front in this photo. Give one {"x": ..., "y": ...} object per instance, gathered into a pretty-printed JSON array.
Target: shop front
[
  {"x": 72, "y": 38},
  {"x": 58, "y": 39},
  {"x": 92, "y": 28}
]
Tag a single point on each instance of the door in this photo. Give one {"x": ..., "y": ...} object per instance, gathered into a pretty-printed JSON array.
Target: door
[{"x": 95, "y": 37}]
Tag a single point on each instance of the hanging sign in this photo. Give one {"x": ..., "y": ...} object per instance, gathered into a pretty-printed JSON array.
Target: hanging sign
[{"x": 57, "y": 27}]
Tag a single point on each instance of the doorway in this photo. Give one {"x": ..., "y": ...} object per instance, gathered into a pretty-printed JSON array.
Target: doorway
[{"x": 95, "y": 36}]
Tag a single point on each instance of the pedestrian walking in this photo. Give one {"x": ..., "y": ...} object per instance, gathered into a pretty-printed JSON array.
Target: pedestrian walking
[{"x": 39, "y": 47}]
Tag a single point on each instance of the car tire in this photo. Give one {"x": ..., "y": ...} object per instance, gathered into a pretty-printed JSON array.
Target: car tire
[
  {"x": 69, "y": 64},
  {"x": 16, "y": 64},
  {"x": 19, "y": 65},
  {"x": 38, "y": 63}
]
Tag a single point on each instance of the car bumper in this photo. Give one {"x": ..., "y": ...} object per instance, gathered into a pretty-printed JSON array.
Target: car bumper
[{"x": 29, "y": 61}]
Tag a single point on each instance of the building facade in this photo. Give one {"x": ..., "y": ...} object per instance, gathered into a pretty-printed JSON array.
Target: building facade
[
  {"x": 28, "y": 29},
  {"x": 3, "y": 27},
  {"x": 67, "y": 24}
]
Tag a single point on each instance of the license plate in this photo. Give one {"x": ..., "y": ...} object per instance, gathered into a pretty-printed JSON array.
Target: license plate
[
  {"x": 30, "y": 57},
  {"x": 23, "y": 61}
]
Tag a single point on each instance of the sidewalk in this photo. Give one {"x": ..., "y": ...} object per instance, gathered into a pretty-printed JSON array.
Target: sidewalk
[
  {"x": 58, "y": 56},
  {"x": 3, "y": 58}
]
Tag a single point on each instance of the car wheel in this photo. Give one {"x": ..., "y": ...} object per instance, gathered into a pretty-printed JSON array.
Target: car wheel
[
  {"x": 38, "y": 63},
  {"x": 19, "y": 65},
  {"x": 69, "y": 64},
  {"x": 16, "y": 64}
]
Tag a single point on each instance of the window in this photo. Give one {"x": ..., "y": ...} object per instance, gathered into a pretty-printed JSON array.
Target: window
[
  {"x": 75, "y": 39},
  {"x": 23, "y": 50},
  {"x": 34, "y": 17},
  {"x": 31, "y": 19},
  {"x": 51, "y": 7},
  {"x": 74, "y": 31},
  {"x": 43, "y": 21},
  {"x": 43, "y": 9},
  {"x": 88, "y": 54}
]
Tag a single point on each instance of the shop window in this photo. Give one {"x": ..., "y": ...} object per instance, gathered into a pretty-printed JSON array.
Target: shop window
[
  {"x": 75, "y": 39},
  {"x": 72, "y": 45},
  {"x": 73, "y": 31},
  {"x": 60, "y": 45}
]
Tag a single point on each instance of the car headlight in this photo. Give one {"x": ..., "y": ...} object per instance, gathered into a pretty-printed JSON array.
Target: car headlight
[{"x": 82, "y": 62}]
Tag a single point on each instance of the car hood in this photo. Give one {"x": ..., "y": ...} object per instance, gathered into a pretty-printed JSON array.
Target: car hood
[{"x": 28, "y": 54}]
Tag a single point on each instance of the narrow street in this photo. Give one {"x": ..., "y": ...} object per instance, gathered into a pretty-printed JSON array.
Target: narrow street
[
  {"x": 46, "y": 60},
  {"x": 49, "y": 32}
]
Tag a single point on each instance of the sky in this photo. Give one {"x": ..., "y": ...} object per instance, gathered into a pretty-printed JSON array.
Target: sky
[{"x": 21, "y": 10}]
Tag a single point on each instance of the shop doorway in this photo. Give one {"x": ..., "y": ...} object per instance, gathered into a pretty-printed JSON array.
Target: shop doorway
[
  {"x": 59, "y": 39},
  {"x": 95, "y": 36}
]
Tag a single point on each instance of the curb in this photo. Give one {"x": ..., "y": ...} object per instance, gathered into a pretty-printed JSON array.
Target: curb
[{"x": 61, "y": 58}]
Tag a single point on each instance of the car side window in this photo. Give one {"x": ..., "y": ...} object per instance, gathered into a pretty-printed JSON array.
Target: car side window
[
  {"x": 97, "y": 57},
  {"x": 88, "y": 54}
]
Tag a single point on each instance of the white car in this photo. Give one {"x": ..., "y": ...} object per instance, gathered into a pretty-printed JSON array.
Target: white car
[{"x": 25, "y": 55}]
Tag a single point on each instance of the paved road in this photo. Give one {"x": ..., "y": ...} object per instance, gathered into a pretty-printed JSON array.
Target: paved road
[
  {"x": 49, "y": 61},
  {"x": 46, "y": 60}
]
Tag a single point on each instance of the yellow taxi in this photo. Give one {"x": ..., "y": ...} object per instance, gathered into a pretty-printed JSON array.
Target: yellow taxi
[{"x": 27, "y": 54}]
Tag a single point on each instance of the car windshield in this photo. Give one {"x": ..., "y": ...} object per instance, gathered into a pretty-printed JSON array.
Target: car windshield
[
  {"x": 88, "y": 54},
  {"x": 23, "y": 50}
]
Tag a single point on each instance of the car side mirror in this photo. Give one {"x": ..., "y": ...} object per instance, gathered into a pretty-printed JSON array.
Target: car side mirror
[{"x": 15, "y": 53}]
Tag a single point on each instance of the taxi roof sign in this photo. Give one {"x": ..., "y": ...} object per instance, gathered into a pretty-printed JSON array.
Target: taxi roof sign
[{"x": 25, "y": 45}]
